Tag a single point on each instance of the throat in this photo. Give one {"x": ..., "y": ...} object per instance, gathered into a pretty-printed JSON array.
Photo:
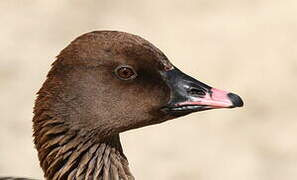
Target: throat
[
  {"x": 69, "y": 151},
  {"x": 71, "y": 156}
]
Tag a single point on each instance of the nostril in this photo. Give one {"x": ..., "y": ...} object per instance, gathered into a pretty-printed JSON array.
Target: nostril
[
  {"x": 235, "y": 99},
  {"x": 197, "y": 92}
]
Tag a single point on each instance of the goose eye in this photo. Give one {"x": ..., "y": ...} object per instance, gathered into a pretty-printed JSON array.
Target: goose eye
[{"x": 125, "y": 72}]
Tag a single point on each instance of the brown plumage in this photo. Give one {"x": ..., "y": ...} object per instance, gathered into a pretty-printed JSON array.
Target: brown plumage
[
  {"x": 82, "y": 108},
  {"x": 102, "y": 84}
]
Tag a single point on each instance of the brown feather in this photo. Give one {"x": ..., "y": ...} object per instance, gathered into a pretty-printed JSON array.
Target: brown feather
[{"x": 81, "y": 108}]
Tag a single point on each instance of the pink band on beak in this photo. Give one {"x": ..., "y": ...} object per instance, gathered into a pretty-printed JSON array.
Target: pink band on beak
[
  {"x": 216, "y": 99},
  {"x": 220, "y": 98}
]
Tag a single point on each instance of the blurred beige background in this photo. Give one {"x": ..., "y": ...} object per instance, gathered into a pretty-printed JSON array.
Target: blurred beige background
[{"x": 245, "y": 46}]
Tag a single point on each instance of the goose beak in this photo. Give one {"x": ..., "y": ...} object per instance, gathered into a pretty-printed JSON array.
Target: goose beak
[{"x": 190, "y": 95}]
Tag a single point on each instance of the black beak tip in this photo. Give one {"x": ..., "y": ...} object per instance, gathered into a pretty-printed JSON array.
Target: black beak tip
[{"x": 235, "y": 99}]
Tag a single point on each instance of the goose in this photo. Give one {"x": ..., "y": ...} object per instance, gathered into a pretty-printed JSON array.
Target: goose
[{"x": 102, "y": 84}]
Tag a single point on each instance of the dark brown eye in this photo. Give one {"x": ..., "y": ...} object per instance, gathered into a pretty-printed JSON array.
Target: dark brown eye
[{"x": 125, "y": 72}]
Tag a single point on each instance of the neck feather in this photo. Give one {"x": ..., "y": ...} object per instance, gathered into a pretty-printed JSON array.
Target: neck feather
[{"x": 68, "y": 154}]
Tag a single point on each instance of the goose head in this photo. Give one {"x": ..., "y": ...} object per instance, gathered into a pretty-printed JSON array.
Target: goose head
[{"x": 108, "y": 82}]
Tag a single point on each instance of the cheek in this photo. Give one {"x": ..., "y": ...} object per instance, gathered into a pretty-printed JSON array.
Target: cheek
[
  {"x": 148, "y": 96},
  {"x": 148, "y": 92},
  {"x": 158, "y": 95}
]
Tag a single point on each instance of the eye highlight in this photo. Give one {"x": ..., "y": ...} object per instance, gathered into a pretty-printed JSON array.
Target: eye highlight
[{"x": 125, "y": 72}]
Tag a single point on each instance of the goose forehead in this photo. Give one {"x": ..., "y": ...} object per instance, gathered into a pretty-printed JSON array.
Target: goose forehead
[{"x": 109, "y": 47}]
